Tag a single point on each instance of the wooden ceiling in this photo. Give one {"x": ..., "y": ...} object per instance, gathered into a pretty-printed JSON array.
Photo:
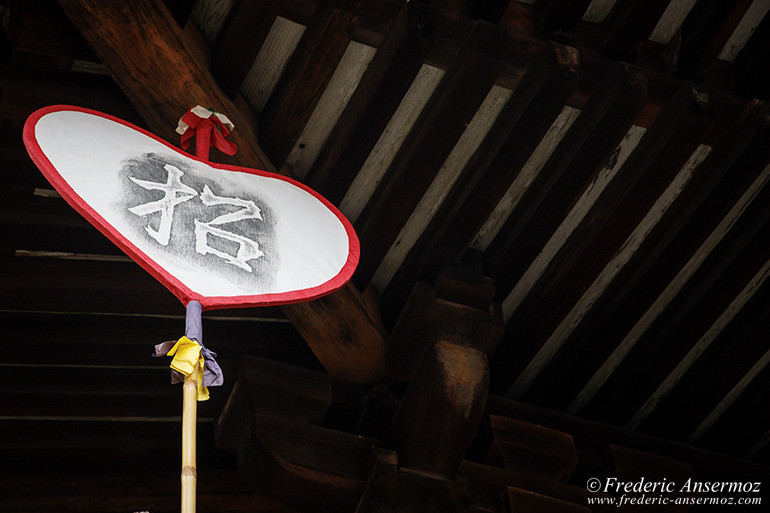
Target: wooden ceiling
[{"x": 583, "y": 182}]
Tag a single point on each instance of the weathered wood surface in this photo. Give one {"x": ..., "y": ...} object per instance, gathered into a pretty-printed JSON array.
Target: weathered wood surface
[
  {"x": 308, "y": 72},
  {"x": 636, "y": 187},
  {"x": 237, "y": 45},
  {"x": 712, "y": 192},
  {"x": 441, "y": 123},
  {"x": 573, "y": 166},
  {"x": 535, "y": 103},
  {"x": 340, "y": 318},
  {"x": 705, "y": 31},
  {"x": 375, "y": 100}
]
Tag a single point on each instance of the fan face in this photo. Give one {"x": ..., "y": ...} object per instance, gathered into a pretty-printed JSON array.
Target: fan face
[{"x": 223, "y": 235}]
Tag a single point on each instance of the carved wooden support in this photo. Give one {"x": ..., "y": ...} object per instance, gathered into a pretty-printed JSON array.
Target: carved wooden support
[
  {"x": 457, "y": 309},
  {"x": 441, "y": 409}
]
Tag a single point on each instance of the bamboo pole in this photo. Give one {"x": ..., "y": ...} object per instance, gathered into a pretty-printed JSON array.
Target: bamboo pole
[
  {"x": 193, "y": 331},
  {"x": 189, "y": 421}
]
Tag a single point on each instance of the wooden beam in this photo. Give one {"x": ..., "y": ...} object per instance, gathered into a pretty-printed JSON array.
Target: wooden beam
[
  {"x": 237, "y": 45},
  {"x": 307, "y": 74},
  {"x": 129, "y": 51},
  {"x": 273, "y": 388},
  {"x": 705, "y": 31},
  {"x": 580, "y": 156},
  {"x": 432, "y": 137},
  {"x": 625, "y": 201},
  {"x": 752, "y": 78},
  {"x": 628, "y": 25},
  {"x": 534, "y": 449},
  {"x": 558, "y": 19},
  {"x": 394, "y": 488},
  {"x": 279, "y": 456},
  {"x": 593, "y": 438},
  {"x": 690, "y": 403},
  {"x": 713, "y": 191},
  {"x": 725, "y": 281},
  {"x": 378, "y": 95},
  {"x": 744, "y": 423},
  {"x": 515, "y": 499},
  {"x": 535, "y": 103}
]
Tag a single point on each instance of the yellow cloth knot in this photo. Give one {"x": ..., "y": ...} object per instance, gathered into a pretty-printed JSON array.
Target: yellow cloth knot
[{"x": 189, "y": 361}]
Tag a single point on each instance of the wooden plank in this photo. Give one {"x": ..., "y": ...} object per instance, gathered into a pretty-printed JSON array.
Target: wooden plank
[
  {"x": 524, "y": 178},
  {"x": 579, "y": 157},
  {"x": 671, "y": 21},
  {"x": 239, "y": 41},
  {"x": 375, "y": 100},
  {"x": 124, "y": 48},
  {"x": 709, "y": 301},
  {"x": 516, "y": 499},
  {"x": 632, "y": 464},
  {"x": 308, "y": 72},
  {"x": 689, "y": 403},
  {"x": 57, "y": 285},
  {"x": 519, "y": 127},
  {"x": 95, "y": 446},
  {"x": 705, "y": 31},
  {"x": 751, "y": 77},
  {"x": 273, "y": 388},
  {"x": 756, "y": 14},
  {"x": 333, "y": 101},
  {"x": 85, "y": 502},
  {"x": 628, "y": 25},
  {"x": 71, "y": 339},
  {"x": 744, "y": 423},
  {"x": 536, "y": 450},
  {"x": 280, "y": 456},
  {"x": 441, "y": 411},
  {"x": 430, "y": 141},
  {"x": 435, "y": 196},
  {"x": 611, "y": 274},
  {"x": 24, "y": 91},
  {"x": 557, "y": 19},
  {"x": 712, "y": 192},
  {"x": 592, "y": 439},
  {"x": 638, "y": 184},
  {"x": 270, "y": 62},
  {"x": 394, "y": 488},
  {"x": 379, "y": 160}
]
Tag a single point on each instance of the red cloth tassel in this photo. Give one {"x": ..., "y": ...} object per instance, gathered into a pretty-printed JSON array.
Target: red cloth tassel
[{"x": 208, "y": 132}]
